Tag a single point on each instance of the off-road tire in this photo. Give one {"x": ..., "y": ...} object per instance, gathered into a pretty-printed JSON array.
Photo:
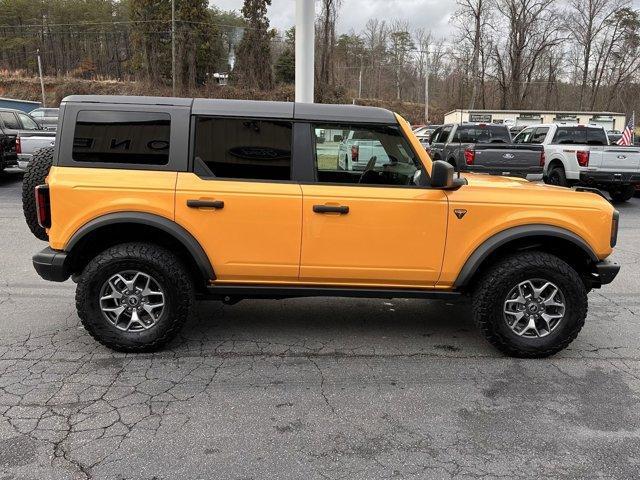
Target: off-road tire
[
  {"x": 156, "y": 261},
  {"x": 557, "y": 176},
  {"x": 491, "y": 291},
  {"x": 35, "y": 175},
  {"x": 623, "y": 193}
]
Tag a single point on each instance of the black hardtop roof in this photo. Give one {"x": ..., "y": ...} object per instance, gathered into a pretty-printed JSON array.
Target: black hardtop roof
[{"x": 254, "y": 108}]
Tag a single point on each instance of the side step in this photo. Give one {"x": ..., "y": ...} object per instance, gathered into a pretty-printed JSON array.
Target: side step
[{"x": 235, "y": 293}]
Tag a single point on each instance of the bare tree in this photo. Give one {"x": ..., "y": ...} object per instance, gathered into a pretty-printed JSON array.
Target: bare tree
[
  {"x": 326, "y": 28},
  {"x": 471, "y": 18},
  {"x": 588, "y": 19},
  {"x": 532, "y": 27}
]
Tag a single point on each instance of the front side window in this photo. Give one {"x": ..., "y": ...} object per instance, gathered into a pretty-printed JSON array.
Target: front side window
[
  {"x": 27, "y": 122},
  {"x": 10, "y": 120},
  {"x": 244, "y": 148},
  {"x": 140, "y": 138},
  {"x": 365, "y": 155}
]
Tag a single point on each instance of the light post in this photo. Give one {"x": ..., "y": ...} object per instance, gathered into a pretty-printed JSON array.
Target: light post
[{"x": 305, "y": 45}]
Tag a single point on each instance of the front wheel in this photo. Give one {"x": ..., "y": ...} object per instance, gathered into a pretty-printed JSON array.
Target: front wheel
[
  {"x": 530, "y": 305},
  {"x": 134, "y": 297}
]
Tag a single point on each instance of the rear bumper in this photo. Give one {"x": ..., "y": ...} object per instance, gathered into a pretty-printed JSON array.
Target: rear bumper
[
  {"x": 50, "y": 265},
  {"x": 605, "y": 272},
  {"x": 601, "y": 178}
]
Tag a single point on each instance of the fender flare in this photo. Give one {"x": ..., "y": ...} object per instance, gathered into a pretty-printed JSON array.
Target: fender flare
[
  {"x": 170, "y": 227},
  {"x": 494, "y": 242}
]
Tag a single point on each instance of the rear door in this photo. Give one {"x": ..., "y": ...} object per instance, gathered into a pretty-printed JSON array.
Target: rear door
[
  {"x": 239, "y": 201},
  {"x": 374, "y": 227}
]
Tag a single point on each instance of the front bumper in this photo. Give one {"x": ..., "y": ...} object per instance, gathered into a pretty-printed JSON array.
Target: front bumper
[
  {"x": 50, "y": 265},
  {"x": 600, "y": 178},
  {"x": 605, "y": 272}
]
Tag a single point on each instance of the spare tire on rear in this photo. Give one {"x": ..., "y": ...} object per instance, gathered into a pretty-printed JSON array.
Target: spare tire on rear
[{"x": 35, "y": 175}]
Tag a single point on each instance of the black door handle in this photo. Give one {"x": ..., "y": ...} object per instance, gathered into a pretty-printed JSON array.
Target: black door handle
[
  {"x": 341, "y": 209},
  {"x": 217, "y": 204}
]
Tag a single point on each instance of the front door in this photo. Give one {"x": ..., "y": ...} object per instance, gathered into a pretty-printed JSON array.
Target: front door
[
  {"x": 239, "y": 202},
  {"x": 374, "y": 227}
]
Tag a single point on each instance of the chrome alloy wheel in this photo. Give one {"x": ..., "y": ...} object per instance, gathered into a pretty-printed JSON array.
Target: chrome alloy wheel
[
  {"x": 132, "y": 301},
  {"x": 534, "y": 308}
]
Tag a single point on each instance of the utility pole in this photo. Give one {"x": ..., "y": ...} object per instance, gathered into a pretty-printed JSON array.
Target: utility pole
[
  {"x": 360, "y": 80},
  {"x": 41, "y": 79},
  {"x": 173, "y": 46},
  {"x": 305, "y": 60},
  {"x": 426, "y": 90}
]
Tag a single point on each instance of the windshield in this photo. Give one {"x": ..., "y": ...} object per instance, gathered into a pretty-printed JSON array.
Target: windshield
[{"x": 482, "y": 134}]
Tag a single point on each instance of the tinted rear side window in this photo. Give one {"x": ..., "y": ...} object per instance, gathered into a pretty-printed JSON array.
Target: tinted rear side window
[
  {"x": 482, "y": 134},
  {"x": 140, "y": 138},
  {"x": 580, "y": 136},
  {"x": 244, "y": 148}
]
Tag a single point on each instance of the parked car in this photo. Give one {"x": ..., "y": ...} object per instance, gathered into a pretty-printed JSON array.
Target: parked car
[
  {"x": 485, "y": 148},
  {"x": 582, "y": 155},
  {"x": 27, "y": 146},
  {"x": 46, "y": 117},
  {"x": 8, "y": 156},
  {"x": 614, "y": 138},
  {"x": 424, "y": 134},
  {"x": 359, "y": 149},
  {"x": 16, "y": 122},
  {"x": 185, "y": 197}
]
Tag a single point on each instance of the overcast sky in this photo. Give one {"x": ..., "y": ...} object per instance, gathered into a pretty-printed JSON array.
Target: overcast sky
[{"x": 430, "y": 14}]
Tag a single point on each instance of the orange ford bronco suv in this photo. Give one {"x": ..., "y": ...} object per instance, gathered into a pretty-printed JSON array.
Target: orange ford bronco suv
[{"x": 151, "y": 203}]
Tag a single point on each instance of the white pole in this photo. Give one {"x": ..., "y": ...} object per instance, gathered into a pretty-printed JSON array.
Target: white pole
[
  {"x": 173, "y": 46},
  {"x": 305, "y": 43},
  {"x": 41, "y": 80}
]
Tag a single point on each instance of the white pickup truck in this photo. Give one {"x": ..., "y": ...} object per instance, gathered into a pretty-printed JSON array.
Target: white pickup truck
[
  {"x": 581, "y": 154},
  {"x": 358, "y": 149},
  {"x": 26, "y": 146}
]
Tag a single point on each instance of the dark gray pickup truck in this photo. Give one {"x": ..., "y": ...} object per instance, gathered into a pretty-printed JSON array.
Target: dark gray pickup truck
[{"x": 485, "y": 148}]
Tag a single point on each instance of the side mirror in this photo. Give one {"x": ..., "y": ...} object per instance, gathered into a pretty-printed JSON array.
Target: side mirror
[{"x": 442, "y": 175}]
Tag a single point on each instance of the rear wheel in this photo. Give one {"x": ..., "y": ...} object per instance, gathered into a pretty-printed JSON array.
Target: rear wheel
[
  {"x": 134, "y": 297},
  {"x": 35, "y": 175},
  {"x": 623, "y": 193},
  {"x": 530, "y": 305},
  {"x": 557, "y": 176}
]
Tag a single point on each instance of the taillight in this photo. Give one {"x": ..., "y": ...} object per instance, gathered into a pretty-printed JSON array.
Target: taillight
[
  {"x": 18, "y": 145},
  {"x": 583, "y": 158},
  {"x": 469, "y": 156},
  {"x": 43, "y": 206},
  {"x": 355, "y": 151},
  {"x": 543, "y": 159}
]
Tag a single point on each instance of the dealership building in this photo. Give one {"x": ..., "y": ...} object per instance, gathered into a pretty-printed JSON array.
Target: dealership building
[{"x": 609, "y": 120}]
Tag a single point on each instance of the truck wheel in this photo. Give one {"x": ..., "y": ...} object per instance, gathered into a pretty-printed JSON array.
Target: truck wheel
[
  {"x": 134, "y": 297},
  {"x": 530, "y": 305},
  {"x": 35, "y": 175},
  {"x": 623, "y": 193},
  {"x": 557, "y": 177}
]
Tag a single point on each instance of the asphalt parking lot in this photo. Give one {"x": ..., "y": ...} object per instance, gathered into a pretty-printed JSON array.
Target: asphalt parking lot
[{"x": 312, "y": 388}]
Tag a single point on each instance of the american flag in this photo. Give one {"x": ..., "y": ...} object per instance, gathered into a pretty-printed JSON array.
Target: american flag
[{"x": 627, "y": 135}]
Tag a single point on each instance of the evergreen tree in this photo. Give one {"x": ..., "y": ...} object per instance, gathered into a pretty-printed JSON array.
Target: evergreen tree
[
  {"x": 285, "y": 67},
  {"x": 253, "y": 67}
]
